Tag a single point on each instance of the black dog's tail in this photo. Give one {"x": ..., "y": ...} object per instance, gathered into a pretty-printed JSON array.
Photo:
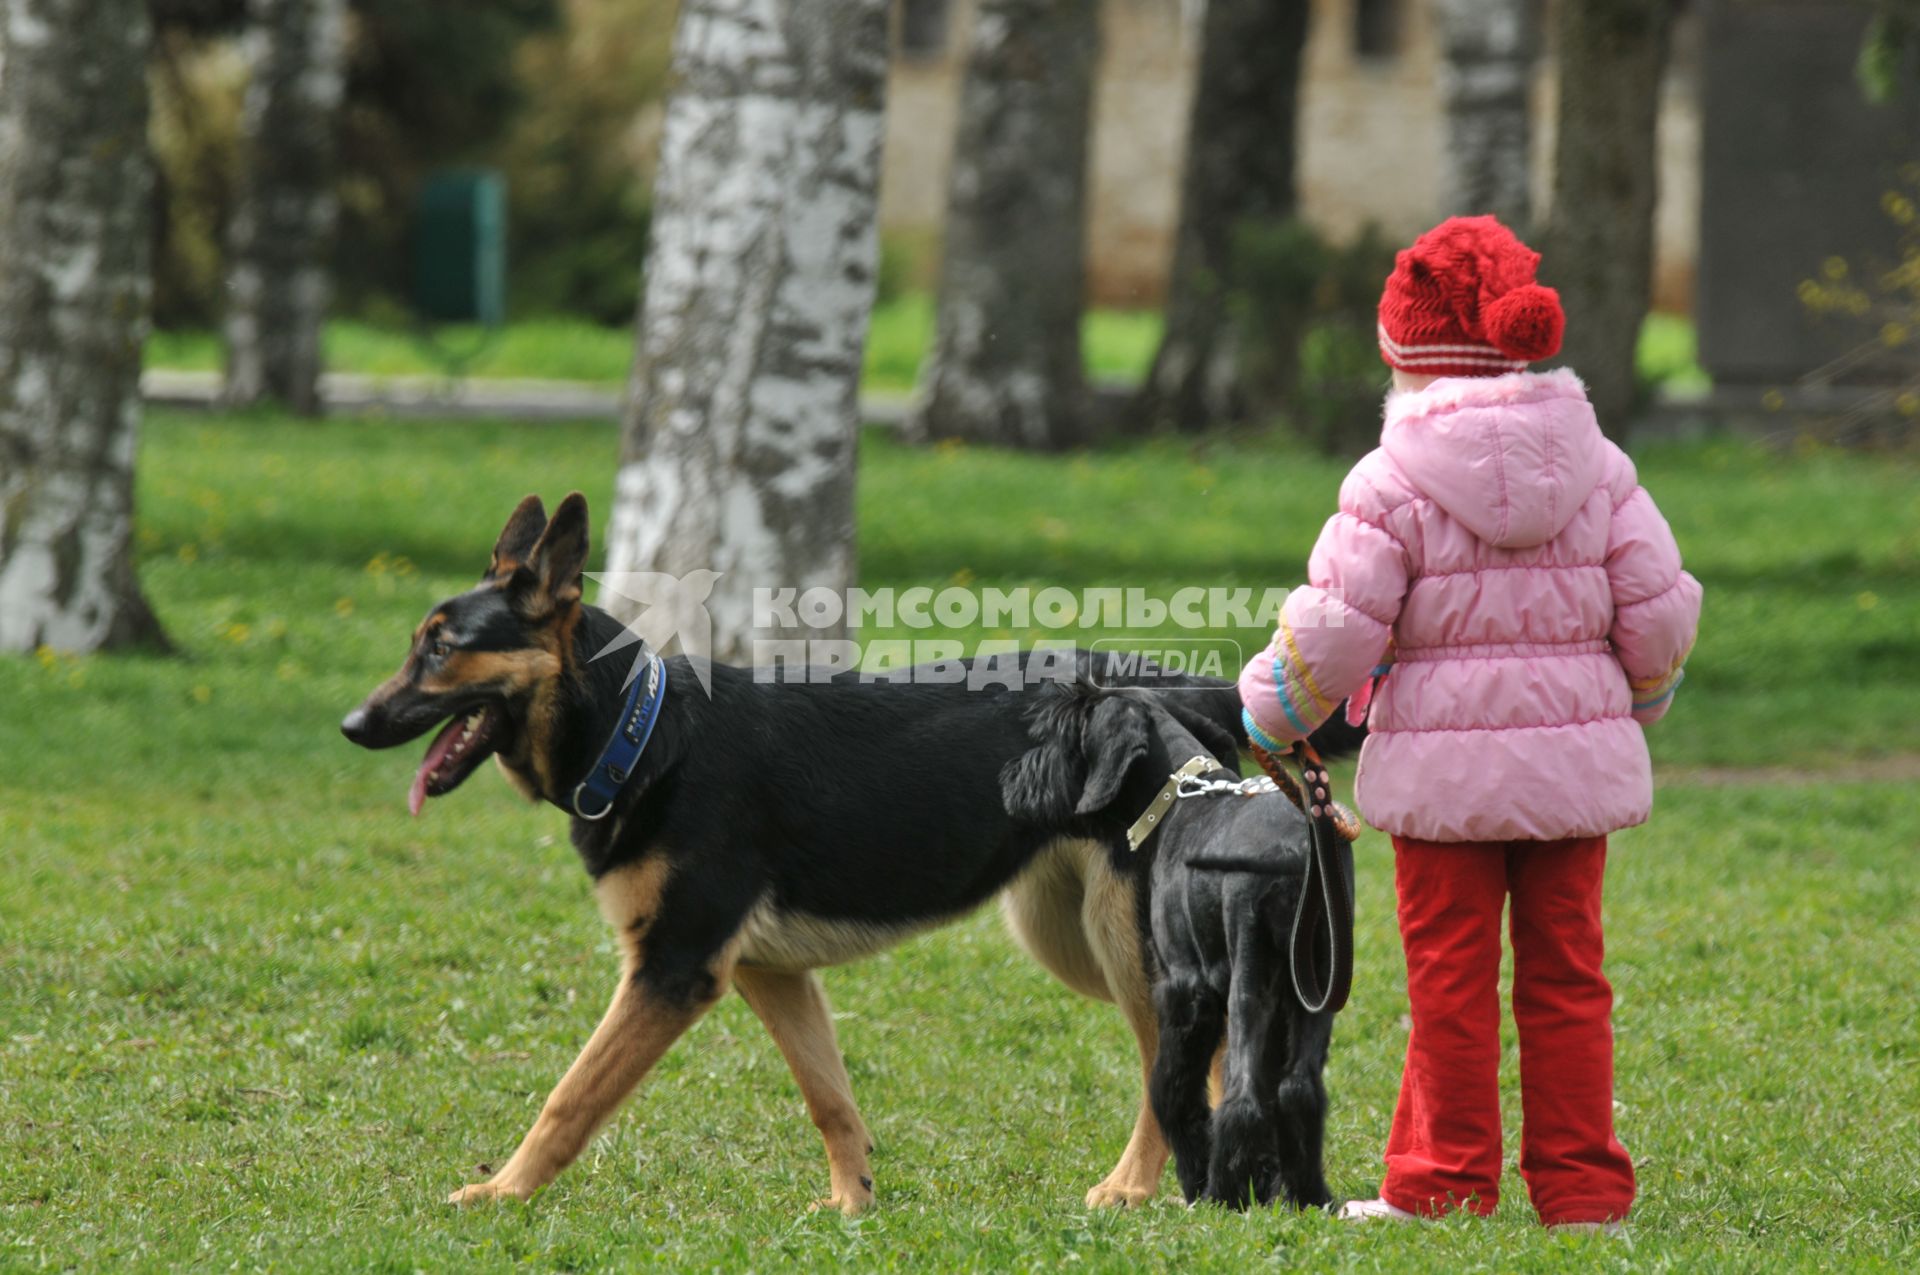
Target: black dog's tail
[{"x": 1215, "y": 699}]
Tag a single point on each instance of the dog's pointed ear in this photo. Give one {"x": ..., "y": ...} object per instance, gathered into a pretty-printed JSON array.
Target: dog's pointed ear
[
  {"x": 517, "y": 539},
  {"x": 549, "y": 579},
  {"x": 1115, "y": 740}
]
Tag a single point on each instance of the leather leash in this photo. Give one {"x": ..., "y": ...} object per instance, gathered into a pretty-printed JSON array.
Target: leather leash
[{"x": 1322, "y": 939}]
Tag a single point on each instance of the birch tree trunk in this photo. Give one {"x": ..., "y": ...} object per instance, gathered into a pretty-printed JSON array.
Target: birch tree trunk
[
  {"x": 1005, "y": 365},
  {"x": 1599, "y": 250},
  {"x": 1485, "y": 78},
  {"x": 1242, "y": 151},
  {"x": 742, "y": 417},
  {"x": 283, "y": 221},
  {"x": 75, "y": 291}
]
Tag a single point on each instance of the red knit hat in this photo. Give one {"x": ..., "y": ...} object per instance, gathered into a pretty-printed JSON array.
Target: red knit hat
[{"x": 1463, "y": 302}]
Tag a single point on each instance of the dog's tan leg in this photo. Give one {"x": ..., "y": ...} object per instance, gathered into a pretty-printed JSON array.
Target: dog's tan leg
[
  {"x": 1113, "y": 933},
  {"x": 793, "y": 1005},
  {"x": 636, "y": 1030}
]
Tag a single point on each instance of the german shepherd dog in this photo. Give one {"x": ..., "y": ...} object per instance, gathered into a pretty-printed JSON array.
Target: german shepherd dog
[
  {"x": 768, "y": 830},
  {"x": 1225, "y": 873}
]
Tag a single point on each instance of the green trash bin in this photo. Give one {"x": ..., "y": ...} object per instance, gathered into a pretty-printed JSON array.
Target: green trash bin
[{"x": 460, "y": 257}]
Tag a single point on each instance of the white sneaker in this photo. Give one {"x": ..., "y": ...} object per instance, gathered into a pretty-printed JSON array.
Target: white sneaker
[{"x": 1375, "y": 1211}]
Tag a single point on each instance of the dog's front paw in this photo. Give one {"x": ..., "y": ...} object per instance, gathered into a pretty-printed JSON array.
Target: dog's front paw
[
  {"x": 1117, "y": 1195},
  {"x": 486, "y": 1192}
]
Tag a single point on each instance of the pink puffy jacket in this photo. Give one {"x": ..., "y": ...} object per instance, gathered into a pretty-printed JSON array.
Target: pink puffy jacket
[{"x": 1498, "y": 554}]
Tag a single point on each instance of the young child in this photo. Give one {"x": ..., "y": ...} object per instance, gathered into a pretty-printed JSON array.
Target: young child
[{"x": 1497, "y": 553}]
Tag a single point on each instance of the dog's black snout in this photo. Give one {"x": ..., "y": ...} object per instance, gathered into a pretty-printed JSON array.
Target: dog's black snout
[{"x": 354, "y": 726}]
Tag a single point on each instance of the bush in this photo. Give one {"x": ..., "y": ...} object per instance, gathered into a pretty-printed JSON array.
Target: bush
[
  {"x": 430, "y": 83},
  {"x": 579, "y": 158},
  {"x": 195, "y": 135},
  {"x": 1304, "y": 317}
]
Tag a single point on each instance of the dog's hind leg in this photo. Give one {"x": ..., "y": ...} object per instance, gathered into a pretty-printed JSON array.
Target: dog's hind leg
[
  {"x": 1191, "y": 1019},
  {"x": 1245, "y": 1134},
  {"x": 1112, "y": 927},
  {"x": 644, "y": 1019},
  {"x": 1303, "y": 1111},
  {"x": 793, "y": 1005}
]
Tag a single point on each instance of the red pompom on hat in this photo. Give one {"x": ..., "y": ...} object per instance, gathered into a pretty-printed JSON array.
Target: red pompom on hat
[{"x": 1462, "y": 301}]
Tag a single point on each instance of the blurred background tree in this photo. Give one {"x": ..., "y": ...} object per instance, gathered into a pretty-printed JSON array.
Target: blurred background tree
[
  {"x": 1486, "y": 79},
  {"x": 75, "y": 289},
  {"x": 281, "y": 228},
  {"x": 1006, "y": 365},
  {"x": 1599, "y": 243},
  {"x": 1238, "y": 178},
  {"x": 1187, "y": 207}
]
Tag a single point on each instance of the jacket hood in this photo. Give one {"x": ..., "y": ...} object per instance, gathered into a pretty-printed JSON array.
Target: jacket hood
[{"x": 1512, "y": 457}]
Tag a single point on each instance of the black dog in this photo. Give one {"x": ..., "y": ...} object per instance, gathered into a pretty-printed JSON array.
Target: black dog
[
  {"x": 1226, "y": 875},
  {"x": 764, "y": 832}
]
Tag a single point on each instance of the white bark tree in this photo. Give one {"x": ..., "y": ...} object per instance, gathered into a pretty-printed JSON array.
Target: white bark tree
[
  {"x": 1485, "y": 78},
  {"x": 742, "y": 419},
  {"x": 1005, "y": 365},
  {"x": 283, "y": 221},
  {"x": 75, "y": 291}
]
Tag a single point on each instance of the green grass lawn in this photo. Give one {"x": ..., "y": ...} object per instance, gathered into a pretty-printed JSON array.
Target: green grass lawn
[
  {"x": 252, "y": 1016},
  {"x": 1118, "y": 346}
]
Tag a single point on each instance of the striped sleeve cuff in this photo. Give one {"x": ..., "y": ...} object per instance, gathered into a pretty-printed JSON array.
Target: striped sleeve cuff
[
  {"x": 1654, "y": 693},
  {"x": 1259, "y": 736}
]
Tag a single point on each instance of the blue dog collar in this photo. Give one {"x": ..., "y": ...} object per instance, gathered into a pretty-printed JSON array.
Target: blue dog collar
[{"x": 641, "y": 713}]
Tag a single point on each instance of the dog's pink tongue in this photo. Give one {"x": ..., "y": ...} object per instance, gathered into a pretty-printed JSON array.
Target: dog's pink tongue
[{"x": 436, "y": 753}]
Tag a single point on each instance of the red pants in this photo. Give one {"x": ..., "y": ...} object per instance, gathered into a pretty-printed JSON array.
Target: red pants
[{"x": 1444, "y": 1151}]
